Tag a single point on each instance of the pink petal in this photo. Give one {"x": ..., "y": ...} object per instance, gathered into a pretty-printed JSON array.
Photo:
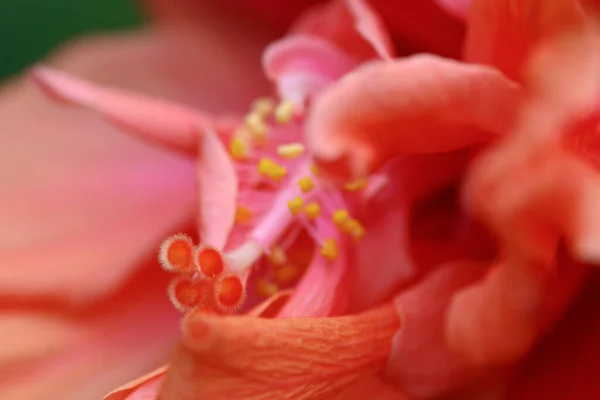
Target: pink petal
[
  {"x": 422, "y": 104},
  {"x": 153, "y": 120},
  {"x": 218, "y": 189},
  {"x": 351, "y": 25},
  {"x": 323, "y": 290},
  {"x": 80, "y": 354},
  {"x": 303, "y": 65},
  {"x": 80, "y": 200}
]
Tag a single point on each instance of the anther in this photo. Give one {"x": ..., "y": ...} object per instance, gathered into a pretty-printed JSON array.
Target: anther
[
  {"x": 257, "y": 126},
  {"x": 277, "y": 256},
  {"x": 177, "y": 254},
  {"x": 329, "y": 250},
  {"x": 271, "y": 169},
  {"x": 229, "y": 293},
  {"x": 314, "y": 170},
  {"x": 209, "y": 261},
  {"x": 312, "y": 210},
  {"x": 295, "y": 205},
  {"x": 287, "y": 274},
  {"x": 355, "y": 229},
  {"x": 284, "y": 112},
  {"x": 242, "y": 214},
  {"x": 266, "y": 289},
  {"x": 306, "y": 184},
  {"x": 263, "y": 106},
  {"x": 237, "y": 148},
  {"x": 359, "y": 184},
  {"x": 290, "y": 150},
  {"x": 340, "y": 218}
]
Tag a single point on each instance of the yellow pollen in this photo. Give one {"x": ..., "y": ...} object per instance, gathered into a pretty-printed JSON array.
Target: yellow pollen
[
  {"x": 284, "y": 112},
  {"x": 340, "y": 217},
  {"x": 257, "y": 126},
  {"x": 315, "y": 170},
  {"x": 306, "y": 184},
  {"x": 286, "y": 274},
  {"x": 291, "y": 150},
  {"x": 277, "y": 256},
  {"x": 242, "y": 214},
  {"x": 263, "y": 106},
  {"x": 329, "y": 249},
  {"x": 265, "y": 288},
  {"x": 271, "y": 169},
  {"x": 359, "y": 184},
  {"x": 237, "y": 148},
  {"x": 312, "y": 210},
  {"x": 296, "y": 205},
  {"x": 355, "y": 229}
]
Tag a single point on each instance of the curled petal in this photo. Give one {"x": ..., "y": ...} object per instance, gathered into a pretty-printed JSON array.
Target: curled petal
[
  {"x": 142, "y": 388},
  {"x": 303, "y": 65},
  {"x": 165, "y": 124},
  {"x": 301, "y": 358},
  {"x": 218, "y": 190},
  {"x": 350, "y": 25},
  {"x": 457, "y": 8},
  {"x": 422, "y": 104}
]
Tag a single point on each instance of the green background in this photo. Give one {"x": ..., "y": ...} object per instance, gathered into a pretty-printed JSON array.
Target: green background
[{"x": 29, "y": 29}]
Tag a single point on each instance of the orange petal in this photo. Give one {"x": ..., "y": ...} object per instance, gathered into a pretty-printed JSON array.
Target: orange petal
[
  {"x": 303, "y": 358},
  {"x": 422, "y": 104}
]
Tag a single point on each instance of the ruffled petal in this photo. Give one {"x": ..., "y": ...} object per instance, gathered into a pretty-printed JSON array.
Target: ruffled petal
[
  {"x": 153, "y": 120},
  {"x": 503, "y": 33},
  {"x": 351, "y": 25},
  {"x": 300, "y": 358},
  {"x": 421, "y": 361},
  {"x": 422, "y": 104}
]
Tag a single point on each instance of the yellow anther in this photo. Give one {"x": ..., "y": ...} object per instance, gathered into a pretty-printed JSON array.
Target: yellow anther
[
  {"x": 242, "y": 214},
  {"x": 296, "y": 205},
  {"x": 312, "y": 210},
  {"x": 359, "y": 184},
  {"x": 277, "y": 256},
  {"x": 315, "y": 170},
  {"x": 340, "y": 217},
  {"x": 257, "y": 126},
  {"x": 284, "y": 112},
  {"x": 287, "y": 274},
  {"x": 271, "y": 169},
  {"x": 329, "y": 249},
  {"x": 266, "y": 289},
  {"x": 263, "y": 106},
  {"x": 291, "y": 150},
  {"x": 355, "y": 229},
  {"x": 306, "y": 184},
  {"x": 237, "y": 148}
]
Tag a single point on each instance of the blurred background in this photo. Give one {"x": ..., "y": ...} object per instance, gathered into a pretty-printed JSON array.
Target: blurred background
[{"x": 29, "y": 29}]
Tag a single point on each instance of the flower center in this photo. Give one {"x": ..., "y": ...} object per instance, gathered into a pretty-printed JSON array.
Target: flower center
[{"x": 284, "y": 209}]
